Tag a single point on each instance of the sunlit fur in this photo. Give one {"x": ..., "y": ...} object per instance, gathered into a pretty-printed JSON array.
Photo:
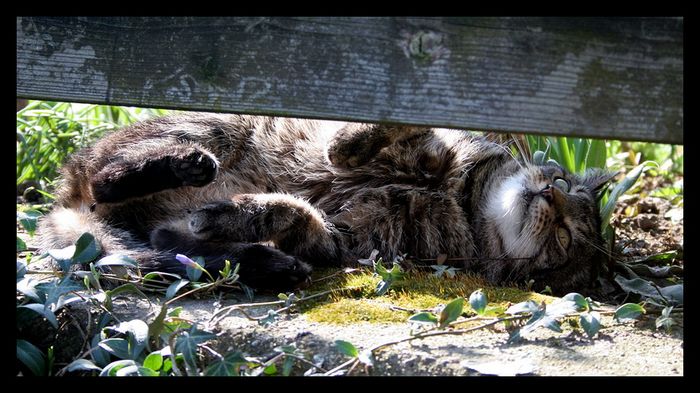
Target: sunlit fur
[{"x": 324, "y": 193}]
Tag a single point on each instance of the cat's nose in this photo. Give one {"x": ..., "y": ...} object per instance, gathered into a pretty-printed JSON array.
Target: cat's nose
[{"x": 548, "y": 193}]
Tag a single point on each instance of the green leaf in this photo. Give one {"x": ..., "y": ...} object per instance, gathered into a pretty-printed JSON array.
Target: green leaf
[
  {"x": 523, "y": 307},
  {"x": 187, "y": 343},
  {"x": 580, "y": 301},
  {"x": 270, "y": 370},
  {"x": 28, "y": 219},
  {"x": 451, "y": 312},
  {"x": 229, "y": 366},
  {"x": 43, "y": 311},
  {"x": 424, "y": 317},
  {"x": 590, "y": 322},
  {"x": 287, "y": 366},
  {"x": 63, "y": 256},
  {"x": 157, "y": 326},
  {"x": 99, "y": 355},
  {"x": 126, "y": 288},
  {"x": 118, "y": 347},
  {"x": 154, "y": 361},
  {"x": 137, "y": 331},
  {"x": 620, "y": 188},
  {"x": 194, "y": 271},
  {"x": 597, "y": 154},
  {"x": 31, "y": 357},
  {"x": 271, "y": 318},
  {"x": 82, "y": 365},
  {"x": 116, "y": 259},
  {"x": 21, "y": 246},
  {"x": 628, "y": 312},
  {"x": 346, "y": 348},
  {"x": 538, "y": 157},
  {"x": 21, "y": 270},
  {"x": 111, "y": 369},
  {"x": 478, "y": 301},
  {"x": 86, "y": 249},
  {"x": 672, "y": 294},
  {"x": 175, "y": 287},
  {"x": 664, "y": 320}
]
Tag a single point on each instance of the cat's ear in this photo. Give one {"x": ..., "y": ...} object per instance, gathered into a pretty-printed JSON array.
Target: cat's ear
[{"x": 597, "y": 180}]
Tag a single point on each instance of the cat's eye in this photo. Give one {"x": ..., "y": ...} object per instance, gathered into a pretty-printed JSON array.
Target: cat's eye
[
  {"x": 563, "y": 237},
  {"x": 562, "y": 184}
]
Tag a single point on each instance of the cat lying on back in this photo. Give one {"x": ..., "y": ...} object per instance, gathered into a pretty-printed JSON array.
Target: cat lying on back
[{"x": 217, "y": 186}]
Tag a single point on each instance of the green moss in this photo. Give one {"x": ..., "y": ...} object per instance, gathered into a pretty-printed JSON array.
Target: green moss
[{"x": 419, "y": 290}]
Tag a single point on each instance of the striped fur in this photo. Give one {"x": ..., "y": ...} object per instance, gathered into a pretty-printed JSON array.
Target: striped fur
[{"x": 324, "y": 194}]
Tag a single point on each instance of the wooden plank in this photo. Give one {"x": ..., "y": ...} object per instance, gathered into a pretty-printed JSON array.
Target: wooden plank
[{"x": 617, "y": 78}]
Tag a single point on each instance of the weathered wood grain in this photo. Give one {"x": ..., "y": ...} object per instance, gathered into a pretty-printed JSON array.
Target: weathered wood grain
[{"x": 619, "y": 78}]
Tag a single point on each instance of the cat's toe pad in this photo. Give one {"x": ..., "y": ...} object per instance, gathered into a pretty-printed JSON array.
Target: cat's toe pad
[{"x": 195, "y": 169}]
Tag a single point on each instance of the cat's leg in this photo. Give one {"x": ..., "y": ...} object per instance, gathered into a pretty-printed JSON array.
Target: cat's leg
[
  {"x": 292, "y": 224},
  {"x": 150, "y": 166},
  {"x": 295, "y": 226},
  {"x": 260, "y": 266},
  {"x": 356, "y": 143}
]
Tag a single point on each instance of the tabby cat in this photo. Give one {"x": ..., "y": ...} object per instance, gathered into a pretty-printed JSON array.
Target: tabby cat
[{"x": 280, "y": 195}]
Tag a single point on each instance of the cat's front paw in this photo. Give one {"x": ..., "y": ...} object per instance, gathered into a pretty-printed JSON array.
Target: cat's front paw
[
  {"x": 267, "y": 268},
  {"x": 196, "y": 168}
]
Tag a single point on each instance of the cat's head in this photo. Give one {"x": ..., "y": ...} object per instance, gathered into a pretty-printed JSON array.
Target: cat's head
[{"x": 548, "y": 227}]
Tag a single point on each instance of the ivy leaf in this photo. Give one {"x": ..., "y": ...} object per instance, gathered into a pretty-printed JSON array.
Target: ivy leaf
[
  {"x": 44, "y": 311},
  {"x": 229, "y": 366},
  {"x": 82, "y": 365},
  {"x": 628, "y": 312},
  {"x": 28, "y": 219},
  {"x": 21, "y": 270},
  {"x": 63, "y": 257},
  {"x": 112, "y": 368},
  {"x": 424, "y": 317},
  {"x": 478, "y": 301},
  {"x": 21, "y": 245},
  {"x": 187, "y": 342},
  {"x": 98, "y": 354},
  {"x": 590, "y": 322},
  {"x": 154, "y": 361},
  {"x": 137, "y": 331},
  {"x": 31, "y": 357},
  {"x": 346, "y": 348},
  {"x": 268, "y": 320},
  {"x": 117, "y": 260},
  {"x": 118, "y": 347},
  {"x": 451, "y": 312},
  {"x": 86, "y": 249}
]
